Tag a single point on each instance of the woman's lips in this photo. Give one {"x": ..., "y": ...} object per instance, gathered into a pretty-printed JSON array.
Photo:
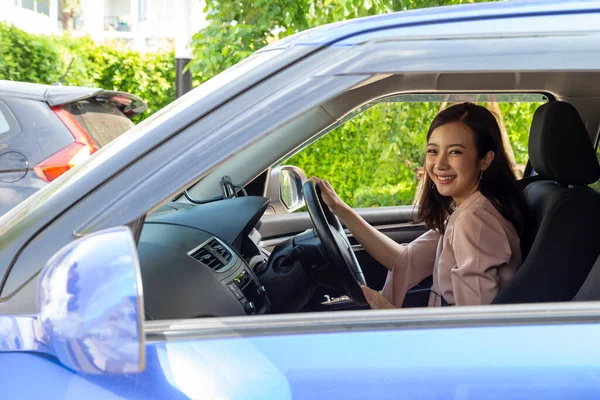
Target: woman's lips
[{"x": 445, "y": 179}]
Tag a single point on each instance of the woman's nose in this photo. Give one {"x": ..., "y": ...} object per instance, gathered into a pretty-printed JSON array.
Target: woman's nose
[{"x": 442, "y": 161}]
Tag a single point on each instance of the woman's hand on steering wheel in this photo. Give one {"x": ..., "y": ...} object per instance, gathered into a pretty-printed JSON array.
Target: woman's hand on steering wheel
[
  {"x": 330, "y": 197},
  {"x": 375, "y": 299},
  {"x": 334, "y": 243}
]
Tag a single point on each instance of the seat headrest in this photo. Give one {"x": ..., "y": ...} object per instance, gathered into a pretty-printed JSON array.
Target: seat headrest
[{"x": 559, "y": 146}]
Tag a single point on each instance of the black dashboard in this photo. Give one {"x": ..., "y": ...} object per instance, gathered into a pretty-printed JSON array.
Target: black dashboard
[{"x": 199, "y": 260}]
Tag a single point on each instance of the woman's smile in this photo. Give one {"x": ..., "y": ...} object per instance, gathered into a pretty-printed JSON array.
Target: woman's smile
[{"x": 445, "y": 179}]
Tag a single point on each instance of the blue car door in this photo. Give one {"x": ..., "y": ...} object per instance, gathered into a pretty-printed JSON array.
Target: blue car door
[{"x": 382, "y": 355}]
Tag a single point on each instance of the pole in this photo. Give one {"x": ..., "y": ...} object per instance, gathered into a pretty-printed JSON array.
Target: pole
[
  {"x": 183, "y": 53},
  {"x": 184, "y": 78}
]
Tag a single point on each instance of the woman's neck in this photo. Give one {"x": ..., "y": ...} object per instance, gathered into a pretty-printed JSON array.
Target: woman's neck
[{"x": 458, "y": 201}]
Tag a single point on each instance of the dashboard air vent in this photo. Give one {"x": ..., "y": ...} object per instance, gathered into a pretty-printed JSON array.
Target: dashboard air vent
[{"x": 213, "y": 254}]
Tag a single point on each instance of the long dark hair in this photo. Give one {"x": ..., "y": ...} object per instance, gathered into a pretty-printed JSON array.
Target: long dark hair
[{"x": 498, "y": 183}]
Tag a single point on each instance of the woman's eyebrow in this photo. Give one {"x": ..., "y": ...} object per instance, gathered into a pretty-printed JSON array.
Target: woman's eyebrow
[{"x": 451, "y": 145}]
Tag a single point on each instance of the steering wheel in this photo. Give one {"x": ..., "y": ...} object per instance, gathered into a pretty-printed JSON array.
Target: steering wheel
[{"x": 335, "y": 243}]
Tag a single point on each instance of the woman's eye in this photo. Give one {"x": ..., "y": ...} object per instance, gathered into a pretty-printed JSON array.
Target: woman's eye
[
  {"x": 431, "y": 151},
  {"x": 455, "y": 152}
]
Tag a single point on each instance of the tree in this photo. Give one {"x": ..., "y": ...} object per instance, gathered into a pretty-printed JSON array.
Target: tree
[
  {"x": 70, "y": 9},
  {"x": 238, "y": 28}
]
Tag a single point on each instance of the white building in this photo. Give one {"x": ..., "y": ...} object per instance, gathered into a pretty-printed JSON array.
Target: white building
[
  {"x": 146, "y": 25},
  {"x": 34, "y": 16}
]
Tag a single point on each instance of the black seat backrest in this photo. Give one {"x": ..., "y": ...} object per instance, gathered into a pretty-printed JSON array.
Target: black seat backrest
[
  {"x": 565, "y": 212},
  {"x": 590, "y": 291}
]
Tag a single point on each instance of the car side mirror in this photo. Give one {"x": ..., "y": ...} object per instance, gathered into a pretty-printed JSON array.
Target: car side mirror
[
  {"x": 90, "y": 307},
  {"x": 285, "y": 189}
]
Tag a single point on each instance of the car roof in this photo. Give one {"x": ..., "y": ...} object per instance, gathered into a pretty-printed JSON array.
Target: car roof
[
  {"x": 332, "y": 33},
  {"x": 53, "y": 94},
  {"x": 130, "y": 104},
  {"x": 23, "y": 89}
]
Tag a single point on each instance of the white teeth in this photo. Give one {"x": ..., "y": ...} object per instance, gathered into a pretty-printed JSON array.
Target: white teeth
[{"x": 445, "y": 178}]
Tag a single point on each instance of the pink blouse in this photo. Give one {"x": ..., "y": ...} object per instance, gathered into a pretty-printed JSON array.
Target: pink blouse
[{"x": 477, "y": 255}]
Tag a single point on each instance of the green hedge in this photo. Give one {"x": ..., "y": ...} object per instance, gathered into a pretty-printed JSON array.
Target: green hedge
[
  {"x": 371, "y": 160},
  {"x": 29, "y": 58},
  {"x": 44, "y": 59}
]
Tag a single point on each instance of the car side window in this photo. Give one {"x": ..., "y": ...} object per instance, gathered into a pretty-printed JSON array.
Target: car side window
[
  {"x": 8, "y": 123},
  {"x": 4, "y": 126},
  {"x": 374, "y": 157},
  {"x": 596, "y": 185}
]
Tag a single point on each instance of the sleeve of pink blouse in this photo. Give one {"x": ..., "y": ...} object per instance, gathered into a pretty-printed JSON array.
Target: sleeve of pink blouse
[
  {"x": 414, "y": 263},
  {"x": 480, "y": 246}
]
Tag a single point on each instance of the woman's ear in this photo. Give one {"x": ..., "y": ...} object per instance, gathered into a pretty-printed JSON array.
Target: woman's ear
[{"x": 487, "y": 160}]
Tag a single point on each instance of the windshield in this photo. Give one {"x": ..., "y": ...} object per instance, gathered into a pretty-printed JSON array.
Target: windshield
[{"x": 159, "y": 127}]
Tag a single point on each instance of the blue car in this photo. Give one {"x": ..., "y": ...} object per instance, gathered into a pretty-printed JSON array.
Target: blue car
[{"x": 176, "y": 262}]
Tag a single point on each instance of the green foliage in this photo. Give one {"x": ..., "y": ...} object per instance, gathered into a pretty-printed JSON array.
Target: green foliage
[
  {"x": 150, "y": 76},
  {"x": 238, "y": 28},
  {"x": 596, "y": 185},
  {"x": 517, "y": 119},
  {"x": 371, "y": 159},
  {"x": 389, "y": 195},
  {"x": 44, "y": 59},
  {"x": 71, "y": 6},
  {"x": 30, "y": 58},
  {"x": 221, "y": 46}
]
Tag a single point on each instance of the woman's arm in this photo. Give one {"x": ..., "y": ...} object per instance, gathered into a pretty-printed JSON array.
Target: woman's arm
[
  {"x": 408, "y": 264},
  {"x": 378, "y": 245}
]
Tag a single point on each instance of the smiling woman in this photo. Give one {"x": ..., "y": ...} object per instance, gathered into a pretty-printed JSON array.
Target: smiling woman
[
  {"x": 465, "y": 154},
  {"x": 473, "y": 246}
]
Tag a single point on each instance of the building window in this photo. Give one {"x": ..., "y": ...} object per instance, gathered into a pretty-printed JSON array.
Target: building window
[
  {"x": 39, "y": 6},
  {"x": 162, "y": 10},
  {"x": 43, "y": 7},
  {"x": 143, "y": 10},
  {"x": 117, "y": 15},
  {"x": 28, "y": 4}
]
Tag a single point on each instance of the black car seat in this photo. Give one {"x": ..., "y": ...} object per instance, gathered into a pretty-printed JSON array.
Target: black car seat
[
  {"x": 565, "y": 212},
  {"x": 590, "y": 291}
]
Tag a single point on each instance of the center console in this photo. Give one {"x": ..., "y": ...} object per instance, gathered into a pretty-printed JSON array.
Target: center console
[
  {"x": 251, "y": 294},
  {"x": 233, "y": 273}
]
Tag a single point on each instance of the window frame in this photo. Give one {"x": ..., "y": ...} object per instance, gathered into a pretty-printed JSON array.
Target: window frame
[{"x": 452, "y": 97}]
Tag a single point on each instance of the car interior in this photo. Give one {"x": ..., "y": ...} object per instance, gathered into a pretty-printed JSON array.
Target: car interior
[{"x": 231, "y": 245}]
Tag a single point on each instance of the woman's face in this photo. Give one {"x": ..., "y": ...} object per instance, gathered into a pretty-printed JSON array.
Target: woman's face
[{"x": 452, "y": 161}]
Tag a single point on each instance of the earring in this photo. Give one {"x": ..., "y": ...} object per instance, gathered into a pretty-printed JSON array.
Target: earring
[{"x": 480, "y": 176}]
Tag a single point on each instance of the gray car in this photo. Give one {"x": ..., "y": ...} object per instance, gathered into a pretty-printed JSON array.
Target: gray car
[{"x": 46, "y": 130}]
